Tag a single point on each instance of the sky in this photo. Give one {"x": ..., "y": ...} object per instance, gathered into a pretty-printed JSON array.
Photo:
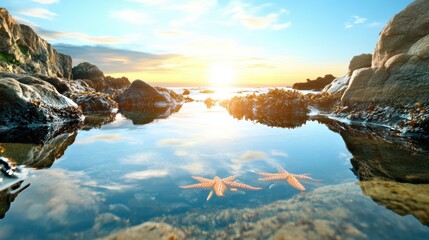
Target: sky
[{"x": 210, "y": 42}]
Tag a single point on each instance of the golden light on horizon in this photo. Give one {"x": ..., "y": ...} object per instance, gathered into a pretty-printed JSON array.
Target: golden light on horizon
[{"x": 221, "y": 74}]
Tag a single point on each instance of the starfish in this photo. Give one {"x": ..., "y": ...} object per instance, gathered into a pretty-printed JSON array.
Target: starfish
[
  {"x": 291, "y": 178},
  {"x": 219, "y": 185}
]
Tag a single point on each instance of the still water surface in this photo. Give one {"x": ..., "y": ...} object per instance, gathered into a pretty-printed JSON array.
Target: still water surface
[{"x": 122, "y": 175}]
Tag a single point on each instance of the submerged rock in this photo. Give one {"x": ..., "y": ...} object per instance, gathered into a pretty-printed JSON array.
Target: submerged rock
[
  {"x": 331, "y": 212},
  {"x": 23, "y": 51},
  {"x": 400, "y": 65},
  {"x": 28, "y": 100},
  {"x": 149, "y": 230},
  {"x": 402, "y": 198}
]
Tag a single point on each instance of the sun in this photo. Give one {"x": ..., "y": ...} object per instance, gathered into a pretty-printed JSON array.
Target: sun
[{"x": 221, "y": 74}]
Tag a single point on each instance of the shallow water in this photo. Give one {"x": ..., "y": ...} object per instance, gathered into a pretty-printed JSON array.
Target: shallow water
[{"x": 122, "y": 174}]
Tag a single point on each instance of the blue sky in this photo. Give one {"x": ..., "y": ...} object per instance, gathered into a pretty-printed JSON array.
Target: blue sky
[{"x": 265, "y": 42}]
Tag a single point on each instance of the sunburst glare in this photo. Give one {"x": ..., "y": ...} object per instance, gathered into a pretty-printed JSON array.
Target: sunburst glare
[{"x": 221, "y": 74}]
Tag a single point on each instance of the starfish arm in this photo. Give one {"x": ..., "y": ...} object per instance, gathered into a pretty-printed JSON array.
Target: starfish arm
[
  {"x": 201, "y": 179},
  {"x": 276, "y": 177},
  {"x": 267, "y": 174},
  {"x": 219, "y": 189},
  {"x": 241, "y": 185},
  {"x": 232, "y": 178},
  {"x": 198, "y": 185},
  {"x": 294, "y": 183}
]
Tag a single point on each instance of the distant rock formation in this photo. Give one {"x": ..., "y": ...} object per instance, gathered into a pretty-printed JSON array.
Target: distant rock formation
[
  {"x": 28, "y": 100},
  {"x": 23, "y": 51},
  {"x": 400, "y": 65},
  {"x": 117, "y": 83},
  {"x": 317, "y": 84}
]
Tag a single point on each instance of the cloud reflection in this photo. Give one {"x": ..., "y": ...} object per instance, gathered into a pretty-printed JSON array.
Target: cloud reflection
[{"x": 141, "y": 175}]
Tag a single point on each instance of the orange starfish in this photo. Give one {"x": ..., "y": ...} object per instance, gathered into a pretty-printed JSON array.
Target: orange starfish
[
  {"x": 219, "y": 185},
  {"x": 289, "y": 177}
]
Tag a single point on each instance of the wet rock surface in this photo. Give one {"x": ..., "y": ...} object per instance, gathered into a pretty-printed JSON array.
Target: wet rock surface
[
  {"x": 337, "y": 212},
  {"x": 378, "y": 154},
  {"x": 23, "y": 51},
  {"x": 117, "y": 83},
  {"x": 94, "y": 102},
  {"x": 28, "y": 100},
  {"x": 277, "y": 108}
]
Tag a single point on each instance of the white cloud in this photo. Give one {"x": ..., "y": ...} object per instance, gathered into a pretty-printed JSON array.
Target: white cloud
[
  {"x": 54, "y": 35},
  {"x": 353, "y": 21},
  {"x": 281, "y": 26},
  {"x": 132, "y": 16},
  {"x": 374, "y": 24},
  {"x": 38, "y": 13},
  {"x": 277, "y": 153},
  {"x": 46, "y": 1},
  {"x": 247, "y": 16},
  {"x": 359, "y": 20}
]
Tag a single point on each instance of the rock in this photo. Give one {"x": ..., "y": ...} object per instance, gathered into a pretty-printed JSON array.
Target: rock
[
  {"x": 171, "y": 95},
  {"x": 94, "y": 102},
  {"x": 117, "y": 83},
  {"x": 186, "y": 92},
  {"x": 317, "y": 84},
  {"x": 329, "y": 212},
  {"x": 359, "y": 61},
  {"x": 339, "y": 84},
  {"x": 87, "y": 70},
  {"x": 98, "y": 85},
  {"x": 61, "y": 85},
  {"x": 23, "y": 51},
  {"x": 139, "y": 96},
  {"x": 402, "y": 198},
  {"x": 149, "y": 230},
  {"x": 277, "y": 108},
  {"x": 28, "y": 100},
  {"x": 400, "y": 65}
]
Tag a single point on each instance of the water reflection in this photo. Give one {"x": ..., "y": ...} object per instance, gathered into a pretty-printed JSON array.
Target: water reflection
[
  {"x": 274, "y": 119},
  {"x": 9, "y": 193},
  {"x": 116, "y": 176},
  {"x": 393, "y": 174},
  {"x": 150, "y": 113},
  {"x": 98, "y": 120}
]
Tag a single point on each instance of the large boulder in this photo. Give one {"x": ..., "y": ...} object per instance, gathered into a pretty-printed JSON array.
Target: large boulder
[
  {"x": 400, "y": 65},
  {"x": 139, "y": 96},
  {"x": 338, "y": 85},
  {"x": 29, "y": 100},
  {"x": 360, "y": 61},
  {"x": 23, "y": 51},
  {"x": 87, "y": 70}
]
